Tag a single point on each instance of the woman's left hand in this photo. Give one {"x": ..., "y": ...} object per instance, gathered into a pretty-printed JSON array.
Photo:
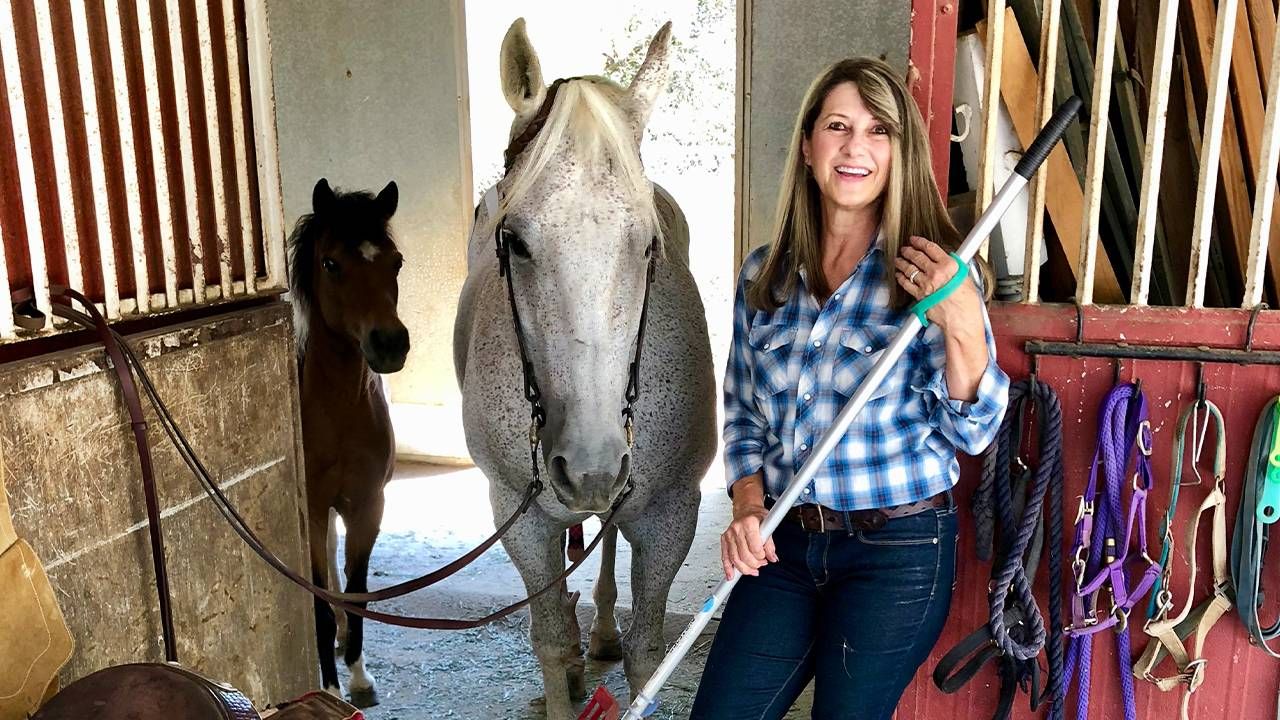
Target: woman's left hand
[{"x": 923, "y": 267}]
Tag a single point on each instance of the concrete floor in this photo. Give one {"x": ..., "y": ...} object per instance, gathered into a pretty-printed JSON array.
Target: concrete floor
[{"x": 433, "y": 515}]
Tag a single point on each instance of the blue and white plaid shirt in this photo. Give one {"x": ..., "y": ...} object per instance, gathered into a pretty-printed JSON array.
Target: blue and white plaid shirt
[{"x": 790, "y": 372}]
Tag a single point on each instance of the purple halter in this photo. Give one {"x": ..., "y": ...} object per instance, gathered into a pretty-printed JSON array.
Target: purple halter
[{"x": 1101, "y": 559}]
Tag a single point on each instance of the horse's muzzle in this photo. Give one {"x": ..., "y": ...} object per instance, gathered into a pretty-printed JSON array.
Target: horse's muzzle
[
  {"x": 386, "y": 349},
  {"x": 592, "y": 492}
]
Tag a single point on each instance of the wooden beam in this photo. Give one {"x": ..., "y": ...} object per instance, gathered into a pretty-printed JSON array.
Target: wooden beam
[
  {"x": 1262, "y": 21},
  {"x": 1153, "y": 157},
  {"x": 1216, "y": 108},
  {"x": 1234, "y": 180},
  {"x": 1064, "y": 199},
  {"x": 1048, "y": 42},
  {"x": 1089, "y": 239},
  {"x": 1264, "y": 202}
]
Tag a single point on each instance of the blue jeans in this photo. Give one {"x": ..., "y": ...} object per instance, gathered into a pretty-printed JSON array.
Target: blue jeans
[{"x": 857, "y": 612}]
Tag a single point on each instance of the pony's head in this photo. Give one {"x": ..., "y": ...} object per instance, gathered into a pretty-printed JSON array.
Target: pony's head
[
  {"x": 577, "y": 213},
  {"x": 343, "y": 267}
]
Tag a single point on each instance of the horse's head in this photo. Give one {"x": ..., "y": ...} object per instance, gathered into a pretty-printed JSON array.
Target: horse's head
[
  {"x": 343, "y": 270},
  {"x": 577, "y": 213}
]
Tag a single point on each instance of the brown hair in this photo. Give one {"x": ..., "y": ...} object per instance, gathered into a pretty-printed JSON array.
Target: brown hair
[{"x": 911, "y": 204}]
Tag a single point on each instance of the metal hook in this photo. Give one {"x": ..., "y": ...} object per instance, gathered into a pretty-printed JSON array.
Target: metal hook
[
  {"x": 1200, "y": 386},
  {"x": 1079, "y": 323},
  {"x": 1117, "y": 368},
  {"x": 1253, "y": 319}
]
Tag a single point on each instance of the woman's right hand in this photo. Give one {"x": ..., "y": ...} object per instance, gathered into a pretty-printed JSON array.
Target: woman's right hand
[{"x": 740, "y": 545}]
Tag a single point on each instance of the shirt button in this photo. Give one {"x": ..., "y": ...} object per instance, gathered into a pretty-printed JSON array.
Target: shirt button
[
  {"x": 836, "y": 296},
  {"x": 817, "y": 343},
  {"x": 806, "y": 491},
  {"x": 766, "y": 346},
  {"x": 867, "y": 349},
  {"x": 807, "y": 397},
  {"x": 803, "y": 446}
]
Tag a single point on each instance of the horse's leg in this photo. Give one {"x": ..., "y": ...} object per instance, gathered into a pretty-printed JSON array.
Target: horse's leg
[
  {"x": 660, "y": 539},
  {"x": 325, "y": 626},
  {"x": 534, "y": 544},
  {"x": 606, "y": 639},
  {"x": 362, "y": 533},
  {"x": 334, "y": 576}
]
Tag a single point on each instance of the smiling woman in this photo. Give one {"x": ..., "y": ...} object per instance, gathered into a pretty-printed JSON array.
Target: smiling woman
[{"x": 853, "y": 589}]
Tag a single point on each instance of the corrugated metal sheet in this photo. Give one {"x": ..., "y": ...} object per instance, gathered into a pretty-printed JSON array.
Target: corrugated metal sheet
[{"x": 1242, "y": 681}]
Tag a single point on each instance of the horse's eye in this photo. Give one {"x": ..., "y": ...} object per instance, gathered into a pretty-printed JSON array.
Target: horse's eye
[
  {"x": 329, "y": 266},
  {"x": 515, "y": 244}
]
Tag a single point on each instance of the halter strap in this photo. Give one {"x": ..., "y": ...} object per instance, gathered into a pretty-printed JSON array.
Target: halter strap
[
  {"x": 1168, "y": 633},
  {"x": 1101, "y": 560}
]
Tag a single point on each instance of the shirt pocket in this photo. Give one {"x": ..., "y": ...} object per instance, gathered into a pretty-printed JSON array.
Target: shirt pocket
[
  {"x": 860, "y": 349},
  {"x": 771, "y": 345}
]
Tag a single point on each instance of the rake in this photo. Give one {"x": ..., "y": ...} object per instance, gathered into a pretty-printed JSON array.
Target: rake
[{"x": 603, "y": 706}]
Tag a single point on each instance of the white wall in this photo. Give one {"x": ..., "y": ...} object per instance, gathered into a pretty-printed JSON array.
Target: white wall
[{"x": 370, "y": 91}]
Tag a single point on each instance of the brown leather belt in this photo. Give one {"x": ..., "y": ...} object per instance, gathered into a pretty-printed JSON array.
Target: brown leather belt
[{"x": 817, "y": 518}]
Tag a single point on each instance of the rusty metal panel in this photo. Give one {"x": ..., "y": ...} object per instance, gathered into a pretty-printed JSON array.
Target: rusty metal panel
[
  {"x": 1241, "y": 680},
  {"x": 125, "y": 127},
  {"x": 76, "y": 495}
]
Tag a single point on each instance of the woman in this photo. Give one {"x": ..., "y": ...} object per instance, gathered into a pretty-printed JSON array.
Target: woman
[{"x": 852, "y": 590}]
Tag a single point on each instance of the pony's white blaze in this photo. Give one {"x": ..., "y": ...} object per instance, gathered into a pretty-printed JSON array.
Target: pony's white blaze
[{"x": 369, "y": 251}]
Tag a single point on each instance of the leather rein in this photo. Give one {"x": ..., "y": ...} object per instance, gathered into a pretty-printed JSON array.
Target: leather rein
[{"x": 123, "y": 359}]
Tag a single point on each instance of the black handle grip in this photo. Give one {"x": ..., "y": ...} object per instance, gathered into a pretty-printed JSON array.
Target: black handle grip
[{"x": 1048, "y": 137}]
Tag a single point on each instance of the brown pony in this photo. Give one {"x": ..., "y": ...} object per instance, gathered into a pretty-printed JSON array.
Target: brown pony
[{"x": 342, "y": 277}]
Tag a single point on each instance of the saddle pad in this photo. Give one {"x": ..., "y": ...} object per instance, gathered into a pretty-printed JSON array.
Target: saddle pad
[{"x": 34, "y": 640}]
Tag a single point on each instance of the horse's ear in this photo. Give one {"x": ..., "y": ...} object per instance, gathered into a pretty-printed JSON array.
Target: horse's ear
[
  {"x": 322, "y": 197},
  {"x": 388, "y": 200},
  {"x": 651, "y": 78},
  {"x": 521, "y": 73}
]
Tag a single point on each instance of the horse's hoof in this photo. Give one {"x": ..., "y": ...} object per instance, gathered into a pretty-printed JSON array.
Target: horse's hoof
[
  {"x": 605, "y": 649},
  {"x": 364, "y": 697}
]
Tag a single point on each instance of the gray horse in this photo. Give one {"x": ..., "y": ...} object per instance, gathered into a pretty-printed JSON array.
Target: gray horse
[{"x": 581, "y": 219}]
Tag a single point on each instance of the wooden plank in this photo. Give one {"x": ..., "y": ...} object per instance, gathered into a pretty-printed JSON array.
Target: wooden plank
[
  {"x": 1031, "y": 20},
  {"x": 1247, "y": 92},
  {"x": 1119, "y": 211},
  {"x": 231, "y": 384},
  {"x": 1262, "y": 23},
  {"x": 1234, "y": 180},
  {"x": 1089, "y": 240},
  {"x": 1048, "y": 42},
  {"x": 1264, "y": 198},
  {"x": 994, "y": 37},
  {"x": 1153, "y": 157},
  {"x": 1211, "y": 149},
  {"x": 1064, "y": 200}
]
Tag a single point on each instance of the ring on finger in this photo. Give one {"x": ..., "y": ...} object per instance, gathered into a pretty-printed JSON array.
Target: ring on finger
[{"x": 912, "y": 278}]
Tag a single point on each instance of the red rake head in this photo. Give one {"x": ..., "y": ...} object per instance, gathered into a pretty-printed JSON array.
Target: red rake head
[{"x": 601, "y": 706}]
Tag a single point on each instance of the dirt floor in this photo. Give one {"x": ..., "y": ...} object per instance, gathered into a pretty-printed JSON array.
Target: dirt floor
[{"x": 435, "y": 514}]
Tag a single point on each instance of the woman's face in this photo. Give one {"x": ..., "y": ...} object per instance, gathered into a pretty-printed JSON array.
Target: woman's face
[{"x": 849, "y": 151}]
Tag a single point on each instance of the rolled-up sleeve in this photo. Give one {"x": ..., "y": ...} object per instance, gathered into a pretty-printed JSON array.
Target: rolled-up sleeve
[
  {"x": 745, "y": 427},
  {"x": 970, "y": 426}
]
